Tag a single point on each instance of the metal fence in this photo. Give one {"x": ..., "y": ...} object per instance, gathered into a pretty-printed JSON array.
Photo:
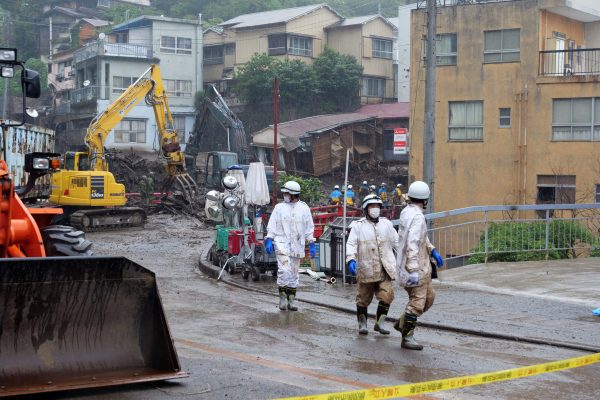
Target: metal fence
[
  {"x": 491, "y": 233},
  {"x": 570, "y": 62},
  {"x": 100, "y": 48},
  {"x": 515, "y": 233},
  {"x": 88, "y": 93}
]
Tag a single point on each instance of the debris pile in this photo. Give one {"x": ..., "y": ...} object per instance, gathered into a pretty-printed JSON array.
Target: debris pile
[{"x": 148, "y": 186}]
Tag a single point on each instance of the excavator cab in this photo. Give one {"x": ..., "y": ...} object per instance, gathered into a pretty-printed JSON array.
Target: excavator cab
[{"x": 69, "y": 322}]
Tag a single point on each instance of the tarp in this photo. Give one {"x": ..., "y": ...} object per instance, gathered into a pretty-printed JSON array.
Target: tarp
[{"x": 257, "y": 190}]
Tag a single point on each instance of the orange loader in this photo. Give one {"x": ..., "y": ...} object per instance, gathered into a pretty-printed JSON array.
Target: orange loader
[{"x": 69, "y": 320}]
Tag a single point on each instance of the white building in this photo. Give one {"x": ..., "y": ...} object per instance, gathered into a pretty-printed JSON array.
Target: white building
[
  {"x": 106, "y": 67},
  {"x": 403, "y": 54}
]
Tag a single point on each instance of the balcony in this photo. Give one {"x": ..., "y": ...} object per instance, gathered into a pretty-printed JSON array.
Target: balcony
[
  {"x": 581, "y": 62},
  {"x": 95, "y": 49},
  {"x": 86, "y": 94},
  {"x": 63, "y": 108}
]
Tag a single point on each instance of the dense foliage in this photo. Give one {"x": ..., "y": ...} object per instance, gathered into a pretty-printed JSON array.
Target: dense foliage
[
  {"x": 311, "y": 187},
  {"x": 525, "y": 241},
  {"x": 330, "y": 85}
]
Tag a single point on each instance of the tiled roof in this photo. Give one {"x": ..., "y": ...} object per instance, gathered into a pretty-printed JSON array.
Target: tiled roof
[
  {"x": 289, "y": 133},
  {"x": 96, "y": 22},
  {"x": 271, "y": 17},
  {"x": 354, "y": 21}
]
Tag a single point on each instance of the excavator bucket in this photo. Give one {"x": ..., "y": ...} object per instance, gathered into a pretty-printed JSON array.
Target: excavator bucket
[{"x": 80, "y": 322}]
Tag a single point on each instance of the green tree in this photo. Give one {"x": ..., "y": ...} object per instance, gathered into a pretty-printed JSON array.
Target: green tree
[
  {"x": 339, "y": 81},
  {"x": 255, "y": 79},
  {"x": 298, "y": 86}
]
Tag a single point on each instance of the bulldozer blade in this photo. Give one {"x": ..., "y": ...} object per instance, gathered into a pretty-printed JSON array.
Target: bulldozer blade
[{"x": 80, "y": 322}]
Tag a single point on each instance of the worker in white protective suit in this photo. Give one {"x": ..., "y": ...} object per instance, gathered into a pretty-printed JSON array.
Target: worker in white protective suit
[
  {"x": 289, "y": 229},
  {"x": 370, "y": 256},
  {"x": 413, "y": 262}
]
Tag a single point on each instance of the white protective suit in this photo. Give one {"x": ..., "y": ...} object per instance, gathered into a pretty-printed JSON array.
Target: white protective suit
[
  {"x": 290, "y": 227},
  {"x": 371, "y": 246},
  {"x": 415, "y": 247}
]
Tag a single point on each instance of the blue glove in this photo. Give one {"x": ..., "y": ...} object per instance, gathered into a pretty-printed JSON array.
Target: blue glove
[
  {"x": 438, "y": 259},
  {"x": 313, "y": 250},
  {"x": 596, "y": 311},
  {"x": 269, "y": 245},
  {"x": 352, "y": 267},
  {"x": 413, "y": 279}
]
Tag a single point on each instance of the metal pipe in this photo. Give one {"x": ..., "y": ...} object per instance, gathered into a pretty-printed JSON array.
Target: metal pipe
[
  {"x": 344, "y": 219},
  {"x": 275, "y": 112}
]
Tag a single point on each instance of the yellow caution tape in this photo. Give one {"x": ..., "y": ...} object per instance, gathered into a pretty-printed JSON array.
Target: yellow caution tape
[{"x": 389, "y": 392}]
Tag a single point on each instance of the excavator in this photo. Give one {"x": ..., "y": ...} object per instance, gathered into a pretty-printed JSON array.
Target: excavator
[
  {"x": 69, "y": 322},
  {"x": 87, "y": 190}
]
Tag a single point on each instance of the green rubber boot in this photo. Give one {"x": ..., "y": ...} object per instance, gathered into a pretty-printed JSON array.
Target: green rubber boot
[
  {"x": 382, "y": 310},
  {"x": 408, "y": 340},
  {"x": 283, "y": 302},
  {"x": 291, "y": 299},
  {"x": 361, "y": 314}
]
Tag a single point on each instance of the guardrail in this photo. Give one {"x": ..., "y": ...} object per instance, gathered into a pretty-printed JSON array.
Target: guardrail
[
  {"x": 570, "y": 62},
  {"x": 519, "y": 233},
  {"x": 94, "y": 49}
]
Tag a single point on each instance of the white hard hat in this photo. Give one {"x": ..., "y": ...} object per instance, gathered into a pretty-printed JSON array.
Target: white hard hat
[
  {"x": 373, "y": 187},
  {"x": 383, "y": 183},
  {"x": 418, "y": 190},
  {"x": 336, "y": 187},
  {"x": 365, "y": 183},
  {"x": 291, "y": 187},
  {"x": 371, "y": 199},
  {"x": 399, "y": 185},
  {"x": 349, "y": 186}
]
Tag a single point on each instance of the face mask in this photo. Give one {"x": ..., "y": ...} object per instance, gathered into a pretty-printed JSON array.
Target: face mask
[
  {"x": 287, "y": 198},
  {"x": 374, "y": 212}
]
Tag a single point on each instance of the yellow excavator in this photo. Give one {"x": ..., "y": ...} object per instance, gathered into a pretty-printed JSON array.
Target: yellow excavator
[
  {"x": 68, "y": 322},
  {"x": 87, "y": 190}
]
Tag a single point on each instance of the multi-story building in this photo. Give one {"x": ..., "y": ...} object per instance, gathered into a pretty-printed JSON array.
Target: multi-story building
[
  {"x": 517, "y": 102},
  {"x": 105, "y": 68},
  {"x": 302, "y": 33}
]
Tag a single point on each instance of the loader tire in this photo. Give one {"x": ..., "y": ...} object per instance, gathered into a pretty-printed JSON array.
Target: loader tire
[{"x": 62, "y": 240}]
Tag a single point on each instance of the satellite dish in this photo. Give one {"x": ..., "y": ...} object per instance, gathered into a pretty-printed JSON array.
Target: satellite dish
[
  {"x": 86, "y": 83},
  {"x": 32, "y": 112},
  {"x": 102, "y": 36}
]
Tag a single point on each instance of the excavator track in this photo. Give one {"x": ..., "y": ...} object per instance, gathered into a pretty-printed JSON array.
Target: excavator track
[{"x": 92, "y": 220}]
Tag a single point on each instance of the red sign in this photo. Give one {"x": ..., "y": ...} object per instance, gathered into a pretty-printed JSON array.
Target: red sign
[{"x": 400, "y": 140}]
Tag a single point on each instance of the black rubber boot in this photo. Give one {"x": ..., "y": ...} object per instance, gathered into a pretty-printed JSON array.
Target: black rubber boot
[
  {"x": 408, "y": 329},
  {"x": 283, "y": 302},
  {"x": 382, "y": 310},
  {"x": 291, "y": 299},
  {"x": 361, "y": 314}
]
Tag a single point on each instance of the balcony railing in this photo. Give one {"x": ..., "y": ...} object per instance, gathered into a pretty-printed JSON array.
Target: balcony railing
[
  {"x": 570, "y": 62},
  {"x": 95, "y": 49},
  {"x": 449, "y": 3},
  {"x": 89, "y": 93}
]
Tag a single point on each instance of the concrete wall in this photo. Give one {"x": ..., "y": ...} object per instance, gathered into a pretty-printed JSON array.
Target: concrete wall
[
  {"x": 503, "y": 167},
  {"x": 592, "y": 35},
  {"x": 404, "y": 52},
  {"x": 180, "y": 66}
]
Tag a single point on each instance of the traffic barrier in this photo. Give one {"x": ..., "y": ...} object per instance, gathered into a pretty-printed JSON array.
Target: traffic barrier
[{"x": 411, "y": 389}]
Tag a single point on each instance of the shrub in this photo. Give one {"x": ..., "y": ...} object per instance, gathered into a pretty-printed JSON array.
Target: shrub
[
  {"x": 526, "y": 241},
  {"x": 311, "y": 187}
]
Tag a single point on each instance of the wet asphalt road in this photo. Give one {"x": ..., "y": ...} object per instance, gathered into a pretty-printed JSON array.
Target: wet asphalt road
[{"x": 237, "y": 344}]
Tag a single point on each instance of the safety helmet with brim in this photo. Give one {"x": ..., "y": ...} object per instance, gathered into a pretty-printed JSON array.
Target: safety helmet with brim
[
  {"x": 291, "y": 187},
  {"x": 418, "y": 190},
  {"x": 371, "y": 199}
]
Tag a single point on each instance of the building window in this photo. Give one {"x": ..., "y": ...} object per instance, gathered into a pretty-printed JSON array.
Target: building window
[
  {"x": 556, "y": 189},
  {"x": 175, "y": 45},
  {"x": 121, "y": 83},
  {"x": 504, "y": 118},
  {"x": 131, "y": 131},
  {"x": 373, "y": 87},
  {"x": 300, "y": 46},
  {"x": 229, "y": 49},
  {"x": 179, "y": 126},
  {"x": 277, "y": 44},
  {"x": 466, "y": 120},
  {"x": 178, "y": 88},
  {"x": 576, "y": 119},
  {"x": 382, "y": 48},
  {"x": 446, "y": 49},
  {"x": 597, "y": 193},
  {"x": 213, "y": 55},
  {"x": 502, "y": 46}
]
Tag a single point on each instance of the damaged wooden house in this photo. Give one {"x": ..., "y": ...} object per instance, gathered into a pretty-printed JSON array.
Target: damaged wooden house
[{"x": 317, "y": 145}]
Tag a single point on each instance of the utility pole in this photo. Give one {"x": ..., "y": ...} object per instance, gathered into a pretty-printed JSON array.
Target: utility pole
[
  {"x": 6, "y": 80},
  {"x": 429, "y": 136},
  {"x": 275, "y": 120}
]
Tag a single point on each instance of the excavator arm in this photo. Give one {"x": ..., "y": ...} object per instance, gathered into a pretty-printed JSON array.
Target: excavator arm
[{"x": 150, "y": 87}]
